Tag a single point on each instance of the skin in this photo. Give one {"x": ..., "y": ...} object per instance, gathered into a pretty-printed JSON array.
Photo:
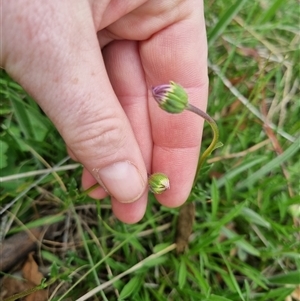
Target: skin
[{"x": 90, "y": 65}]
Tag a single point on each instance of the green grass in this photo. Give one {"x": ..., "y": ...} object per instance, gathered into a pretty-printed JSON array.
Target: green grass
[{"x": 245, "y": 243}]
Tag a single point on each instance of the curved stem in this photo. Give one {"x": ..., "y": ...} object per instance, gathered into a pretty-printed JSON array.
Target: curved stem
[{"x": 214, "y": 141}]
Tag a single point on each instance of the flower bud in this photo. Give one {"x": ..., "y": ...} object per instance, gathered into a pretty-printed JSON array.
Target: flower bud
[
  {"x": 171, "y": 98},
  {"x": 158, "y": 183}
]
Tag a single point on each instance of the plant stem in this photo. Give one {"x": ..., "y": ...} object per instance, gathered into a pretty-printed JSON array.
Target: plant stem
[
  {"x": 214, "y": 141},
  {"x": 93, "y": 187},
  {"x": 30, "y": 291}
]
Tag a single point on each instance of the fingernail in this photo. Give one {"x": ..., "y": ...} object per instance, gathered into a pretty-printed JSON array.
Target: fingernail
[{"x": 122, "y": 180}]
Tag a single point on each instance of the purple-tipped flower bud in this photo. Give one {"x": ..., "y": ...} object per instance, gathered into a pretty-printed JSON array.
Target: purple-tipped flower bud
[
  {"x": 158, "y": 183},
  {"x": 171, "y": 98}
]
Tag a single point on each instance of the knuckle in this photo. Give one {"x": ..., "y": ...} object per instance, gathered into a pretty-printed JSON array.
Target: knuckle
[{"x": 98, "y": 138}]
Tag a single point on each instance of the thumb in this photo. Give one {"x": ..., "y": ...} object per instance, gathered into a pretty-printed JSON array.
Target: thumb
[
  {"x": 105, "y": 144},
  {"x": 57, "y": 60},
  {"x": 101, "y": 138}
]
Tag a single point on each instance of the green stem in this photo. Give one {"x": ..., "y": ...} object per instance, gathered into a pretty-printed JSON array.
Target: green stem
[
  {"x": 214, "y": 141},
  {"x": 30, "y": 291},
  {"x": 87, "y": 191},
  {"x": 23, "y": 294}
]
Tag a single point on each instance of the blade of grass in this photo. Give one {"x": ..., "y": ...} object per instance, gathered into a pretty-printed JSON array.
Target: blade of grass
[
  {"x": 223, "y": 22},
  {"x": 243, "y": 167},
  {"x": 241, "y": 243},
  {"x": 182, "y": 274},
  {"x": 215, "y": 199},
  {"x": 47, "y": 220},
  {"x": 292, "y": 277},
  {"x": 34, "y": 184},
  {"x": 231, "y": 274},
  {"x": 269, "y": 13},
  {"x": 255, "y": 218},
  {"x": 213, "y": 297},
  {"x": 21, "y": 116},
  {"x": 276, "y": 294},
  {"x": 271, "y": 165},
  {"x": 130, "y": 288},
  {"x": 200, "y": 277},
  {"x": 39, "y": 172}
]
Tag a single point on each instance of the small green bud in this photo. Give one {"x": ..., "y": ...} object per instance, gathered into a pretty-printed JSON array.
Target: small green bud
[
  {"x": 158, "y": 183},
  {"x": 171, "y": 98}
]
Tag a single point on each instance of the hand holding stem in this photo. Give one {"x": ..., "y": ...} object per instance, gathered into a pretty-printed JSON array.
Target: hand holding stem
[{"x": 173, "y": 99}]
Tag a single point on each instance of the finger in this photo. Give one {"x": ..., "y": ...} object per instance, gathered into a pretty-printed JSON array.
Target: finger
[
  {"x": 125, "y": 71},
  {"x": 122, "y": 61},
  {"x": 59, "y": 63},
  {"x": 177, "y": 53},
  {"x": 132, "y": 212}
]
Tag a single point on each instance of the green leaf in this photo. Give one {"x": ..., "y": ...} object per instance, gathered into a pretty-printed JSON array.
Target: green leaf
[
  {"x": 3, "y": 156},
  {"x": 155, "y": 261},
  {"x": 218, "y": 145},
  {"x": 160, "y": 247},
  {"x": 277, "y": 294},
  {"x": 47, "y": 220},
  {"x": 217, "y": 298},
  {"x": 241, "y": 243},
  {"x": 254, "y": 218},
  {"x": 215, "y": 195},
  {"x": 49, "y": 256},
  {"x": 54, "y": 270},
  {"x": 200, "y": 277},
  {"x": 231, "y": 279},
  {"x": 287, "y": 278},
  {"x": 229, "y": 216},
  {"x": 271, "y": 165},
  {"x": 21, "y": 116},
  {"x": 131, "y": 287},
  {"x": 269, "y": 13},
  {"x": 43, "y": 283},
  {"x": 182, "y": 274},
  {"x": 237, "y": 171}
]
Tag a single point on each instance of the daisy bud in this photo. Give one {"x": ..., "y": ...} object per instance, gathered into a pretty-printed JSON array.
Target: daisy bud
[
  {"x": 171, "y": 98},
  {"x": 158, "y": 183}
]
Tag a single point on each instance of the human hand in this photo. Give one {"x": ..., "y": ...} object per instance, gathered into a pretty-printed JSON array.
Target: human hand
[{"x": 91, "y": 65}]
